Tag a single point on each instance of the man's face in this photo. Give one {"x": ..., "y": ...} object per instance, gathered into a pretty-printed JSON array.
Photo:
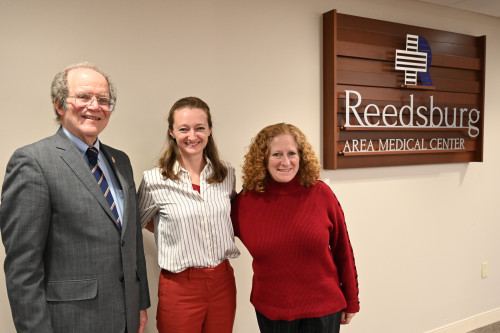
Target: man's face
[{"x": 85, "y": 122}]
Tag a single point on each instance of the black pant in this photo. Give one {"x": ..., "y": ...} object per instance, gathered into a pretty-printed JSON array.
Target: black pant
[{"x": 326, "y": 324}]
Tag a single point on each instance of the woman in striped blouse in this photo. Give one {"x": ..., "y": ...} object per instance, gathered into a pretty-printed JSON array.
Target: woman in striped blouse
[{"x": 186, "y": 199}]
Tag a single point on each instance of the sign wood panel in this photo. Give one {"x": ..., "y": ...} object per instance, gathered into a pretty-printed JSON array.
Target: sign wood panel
[{"x": 396, "y": 94}]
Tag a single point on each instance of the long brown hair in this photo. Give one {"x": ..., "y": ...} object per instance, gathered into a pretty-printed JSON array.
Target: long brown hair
[{"x": 172, "y": 153}]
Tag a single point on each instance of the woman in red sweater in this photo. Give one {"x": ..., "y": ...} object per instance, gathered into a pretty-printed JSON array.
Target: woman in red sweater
[{"x": 305, "y": 277}]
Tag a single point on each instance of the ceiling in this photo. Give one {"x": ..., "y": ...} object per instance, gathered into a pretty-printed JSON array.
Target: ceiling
[{"x": 486, "y": 7}]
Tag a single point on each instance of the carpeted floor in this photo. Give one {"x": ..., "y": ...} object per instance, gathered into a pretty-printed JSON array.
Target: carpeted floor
[{"x": 493, "y": 328}]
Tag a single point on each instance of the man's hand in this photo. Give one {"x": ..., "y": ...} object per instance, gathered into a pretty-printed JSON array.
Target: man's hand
[{"x": 143, "y": 320}]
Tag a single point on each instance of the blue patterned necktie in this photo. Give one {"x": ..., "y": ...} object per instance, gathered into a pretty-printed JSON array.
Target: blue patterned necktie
[{"x": 92, "y": 154}]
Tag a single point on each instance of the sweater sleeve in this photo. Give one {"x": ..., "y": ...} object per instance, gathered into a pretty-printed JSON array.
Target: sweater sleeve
[{"x": 343, "y": 253}]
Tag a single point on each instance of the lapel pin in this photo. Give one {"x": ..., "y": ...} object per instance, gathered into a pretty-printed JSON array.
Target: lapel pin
[{"x": 113, "y": 159}]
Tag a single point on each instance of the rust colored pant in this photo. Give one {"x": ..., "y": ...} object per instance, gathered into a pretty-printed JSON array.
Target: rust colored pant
[{"x": 197, "y": 300}]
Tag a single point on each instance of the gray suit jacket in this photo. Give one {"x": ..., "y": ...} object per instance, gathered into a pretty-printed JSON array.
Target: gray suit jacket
[{"x": 67, "y": 267}]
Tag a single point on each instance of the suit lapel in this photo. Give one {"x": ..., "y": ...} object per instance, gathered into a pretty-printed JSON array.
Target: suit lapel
[{"x": 73, "y": 158}]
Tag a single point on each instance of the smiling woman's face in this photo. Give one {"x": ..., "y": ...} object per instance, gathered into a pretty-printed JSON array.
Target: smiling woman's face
[
  {"x": 191, "y": 131},
  {"x": 284, "y": 160}
]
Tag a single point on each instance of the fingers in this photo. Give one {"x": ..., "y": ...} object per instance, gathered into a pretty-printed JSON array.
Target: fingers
[
  {"x": 150, "y": 226},
  {"x": 143, "y": 320},
  {"x": 345, "y": 317}
]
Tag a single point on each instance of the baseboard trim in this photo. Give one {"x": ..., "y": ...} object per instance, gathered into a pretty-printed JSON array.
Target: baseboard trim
[{"x": 471, "y": 323}]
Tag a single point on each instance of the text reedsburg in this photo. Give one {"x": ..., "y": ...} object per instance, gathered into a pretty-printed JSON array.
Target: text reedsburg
[{"x": 408, "y": 116}]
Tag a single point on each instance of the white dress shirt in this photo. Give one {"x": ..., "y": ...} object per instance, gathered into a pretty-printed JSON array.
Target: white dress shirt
[{"x": 191, "y": 229}]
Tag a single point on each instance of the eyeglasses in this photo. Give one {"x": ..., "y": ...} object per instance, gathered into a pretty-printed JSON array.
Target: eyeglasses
[{"x": 85, "y": 100}]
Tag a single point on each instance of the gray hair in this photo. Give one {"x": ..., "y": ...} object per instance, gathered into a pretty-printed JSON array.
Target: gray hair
[{"x": 59, "y": 88}]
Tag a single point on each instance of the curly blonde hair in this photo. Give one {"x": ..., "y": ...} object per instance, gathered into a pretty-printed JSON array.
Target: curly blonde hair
[{"x": 255, "y": 173}]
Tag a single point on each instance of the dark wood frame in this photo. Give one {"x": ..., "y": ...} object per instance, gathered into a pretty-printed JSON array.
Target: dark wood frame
[{"x": 359, "y": 54}]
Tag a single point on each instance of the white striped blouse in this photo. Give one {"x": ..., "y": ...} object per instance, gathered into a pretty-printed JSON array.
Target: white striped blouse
[{"x": 191, "y": 229}]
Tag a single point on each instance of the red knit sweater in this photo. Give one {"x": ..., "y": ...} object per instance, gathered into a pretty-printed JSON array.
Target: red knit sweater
[{"x": 303, "y": 261}]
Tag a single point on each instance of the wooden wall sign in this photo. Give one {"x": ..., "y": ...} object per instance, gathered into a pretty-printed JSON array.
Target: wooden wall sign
[{"x": 396, "y": 94}]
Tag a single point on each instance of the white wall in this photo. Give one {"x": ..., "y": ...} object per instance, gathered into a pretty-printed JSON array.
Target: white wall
[{"x": 419, "y": 232}]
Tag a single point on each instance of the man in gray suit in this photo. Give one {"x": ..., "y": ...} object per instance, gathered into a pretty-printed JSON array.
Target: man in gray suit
[{"x": 74, "y": 252}]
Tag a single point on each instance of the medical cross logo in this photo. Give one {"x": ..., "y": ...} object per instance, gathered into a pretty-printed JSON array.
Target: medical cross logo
[{"x": 415, "y": 59}]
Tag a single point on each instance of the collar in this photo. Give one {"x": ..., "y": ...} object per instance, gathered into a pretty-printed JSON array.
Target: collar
[
  {"x": 82, "y": 146},
  {"x": 179, "y": 169},
  {"x": 293, "y": 186}
]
